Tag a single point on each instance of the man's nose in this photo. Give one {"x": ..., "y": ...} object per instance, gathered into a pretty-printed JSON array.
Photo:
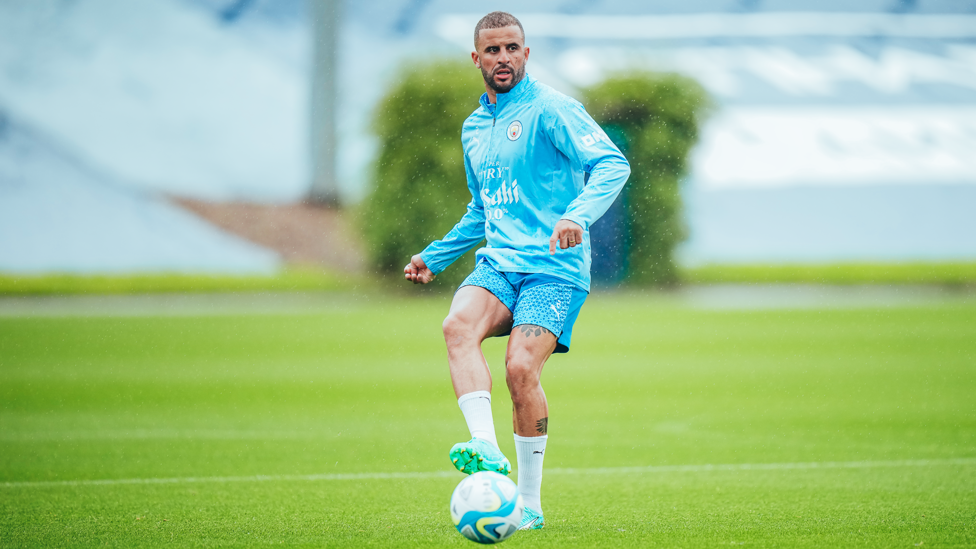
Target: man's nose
[{"x": 504, "y": 57}]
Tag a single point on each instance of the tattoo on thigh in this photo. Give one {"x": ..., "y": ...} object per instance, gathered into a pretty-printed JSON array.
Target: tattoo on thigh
[
  {"x": 542, "y": 425},
  {"x": 530, "y": 330}
]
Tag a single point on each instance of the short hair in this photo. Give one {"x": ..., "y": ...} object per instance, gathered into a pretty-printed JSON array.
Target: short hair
[{"x": 496, "y": 20}]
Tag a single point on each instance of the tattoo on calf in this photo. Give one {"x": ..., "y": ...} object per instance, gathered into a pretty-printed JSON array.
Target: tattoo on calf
[
  {"x": 529, "y": 330},
  {"x": 542, "y": 426}
]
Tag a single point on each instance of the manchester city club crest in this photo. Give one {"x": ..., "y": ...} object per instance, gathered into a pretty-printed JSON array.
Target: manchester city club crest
[{"x": 514, "y": 130}]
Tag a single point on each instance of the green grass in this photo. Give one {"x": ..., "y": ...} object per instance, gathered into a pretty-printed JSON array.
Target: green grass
[
  {"x": 951, "y": 274},
  {"x": 314, "y": 279},
  {"x": 292, "y": 279},
  {"x": 363, "y": 388}
]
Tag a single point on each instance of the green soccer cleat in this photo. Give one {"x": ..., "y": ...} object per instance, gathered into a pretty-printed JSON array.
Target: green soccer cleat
[
  {"x": 479, "y": 455},
  {"x": 531, "y": 520}
]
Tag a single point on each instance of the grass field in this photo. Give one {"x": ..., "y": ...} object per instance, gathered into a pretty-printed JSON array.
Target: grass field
[
  {"x": 670, "y": 427},
  {"x": 291, "y": 279},
  {"x": 311, "y": 278},
  {"x": 947, "y": 274}
]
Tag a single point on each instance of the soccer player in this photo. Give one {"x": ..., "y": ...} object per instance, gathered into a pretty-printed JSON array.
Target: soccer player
[{"x": 540, "y": 172}]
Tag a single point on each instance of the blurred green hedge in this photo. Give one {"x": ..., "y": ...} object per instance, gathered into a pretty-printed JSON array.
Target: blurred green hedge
[
  {"x": 420, "y": 190},
  {"x": 658, "y": 117}
]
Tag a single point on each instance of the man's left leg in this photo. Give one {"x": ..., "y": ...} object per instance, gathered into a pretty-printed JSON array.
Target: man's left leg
[
  {"x": 528, "y": 349},
  {"x": 542, "y": 322}
]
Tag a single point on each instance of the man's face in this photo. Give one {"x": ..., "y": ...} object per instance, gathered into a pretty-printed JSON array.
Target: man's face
[{"x": 501, "y": 56}]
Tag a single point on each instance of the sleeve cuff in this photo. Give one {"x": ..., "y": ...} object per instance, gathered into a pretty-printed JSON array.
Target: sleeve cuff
[
  {"x": 575, "y": 219},
  {"x": 428, "y": 261}
]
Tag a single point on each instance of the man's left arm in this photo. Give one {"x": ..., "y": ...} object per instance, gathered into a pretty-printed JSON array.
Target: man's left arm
[{"x": 582, "y": 140}]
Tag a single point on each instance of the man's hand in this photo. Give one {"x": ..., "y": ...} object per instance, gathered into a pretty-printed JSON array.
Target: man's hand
[
  {"x": 567, "y": 234},
  {"x": 417, "y": 272}
]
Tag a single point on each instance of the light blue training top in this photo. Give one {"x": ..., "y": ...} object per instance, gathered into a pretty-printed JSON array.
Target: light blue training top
[{"x": 532, "y": 159}]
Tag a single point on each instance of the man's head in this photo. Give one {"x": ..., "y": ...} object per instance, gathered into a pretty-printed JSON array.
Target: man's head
[{"x": 500, "y": 52}]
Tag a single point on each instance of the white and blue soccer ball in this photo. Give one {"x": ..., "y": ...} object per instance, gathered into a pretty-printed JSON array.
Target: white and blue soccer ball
[{"x": 486, "y": 507}]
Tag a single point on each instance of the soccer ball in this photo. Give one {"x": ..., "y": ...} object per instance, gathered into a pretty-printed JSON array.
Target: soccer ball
[{"x": 486, "y": 507}]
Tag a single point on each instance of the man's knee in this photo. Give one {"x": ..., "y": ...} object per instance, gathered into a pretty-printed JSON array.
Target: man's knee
[
  {"x": 520, "y": 371},
  {"x": 456, "y": 329}
]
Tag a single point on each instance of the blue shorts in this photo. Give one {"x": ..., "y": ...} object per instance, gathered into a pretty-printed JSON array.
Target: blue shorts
[{"x": 534, "y": 298}]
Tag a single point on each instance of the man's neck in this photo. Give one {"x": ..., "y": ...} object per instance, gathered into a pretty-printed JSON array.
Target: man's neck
[
  {"x": 491, "y": 94},
  {"x": 492, "y": 97}
]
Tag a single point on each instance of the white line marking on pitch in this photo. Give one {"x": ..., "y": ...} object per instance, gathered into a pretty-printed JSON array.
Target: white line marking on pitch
[{"x": 704, "y": 468}]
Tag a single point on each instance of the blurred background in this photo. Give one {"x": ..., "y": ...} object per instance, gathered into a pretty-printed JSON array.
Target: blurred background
[
  {"x": 239, "y": 137},
  {"x": 206, "y": 205}
]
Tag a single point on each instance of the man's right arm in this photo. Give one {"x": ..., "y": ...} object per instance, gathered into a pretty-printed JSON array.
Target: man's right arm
[{"x": 468, "y": 232}]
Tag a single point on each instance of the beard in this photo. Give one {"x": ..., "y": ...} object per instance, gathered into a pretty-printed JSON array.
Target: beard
[{"x": 517, "y": 76}]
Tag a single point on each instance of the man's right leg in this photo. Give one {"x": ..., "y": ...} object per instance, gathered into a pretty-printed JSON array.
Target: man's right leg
[{"x": 476, "y": 314}]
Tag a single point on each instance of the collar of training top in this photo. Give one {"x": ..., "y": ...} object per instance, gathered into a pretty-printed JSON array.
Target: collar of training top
[{"x": 513, "y": 94}]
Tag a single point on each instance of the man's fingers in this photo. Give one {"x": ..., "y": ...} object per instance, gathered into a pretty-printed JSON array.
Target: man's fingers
[
  {"x": 417, "y": 271},
  {"x": 420, "y": 276},
  {"x": 563, "y": 241},
  {"x": 410, "y": 272},
  {"x": 575, "y": 237}
]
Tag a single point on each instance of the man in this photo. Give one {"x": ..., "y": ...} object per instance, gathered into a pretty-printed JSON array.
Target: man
[{"x": 540, "y": 172}]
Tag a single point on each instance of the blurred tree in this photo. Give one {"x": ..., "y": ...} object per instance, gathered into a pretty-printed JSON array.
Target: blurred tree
[
  {"x": 655, "y": 118},
  {"x": 419, "y": 188}
]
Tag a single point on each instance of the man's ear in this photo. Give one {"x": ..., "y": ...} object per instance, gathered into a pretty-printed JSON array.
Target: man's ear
[{"x": 476, "y": 58}]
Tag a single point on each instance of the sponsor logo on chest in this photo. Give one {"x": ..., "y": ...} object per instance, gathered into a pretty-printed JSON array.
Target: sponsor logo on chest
[
  {"x": 497, "y": 201},
  {"x": 506, "y": 194},
  {"x": 495, "y": 204}
]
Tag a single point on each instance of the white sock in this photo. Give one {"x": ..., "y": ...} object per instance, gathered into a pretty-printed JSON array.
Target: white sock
[
  {"x": 476, "y": 408},
  {"x": 531, "y": 452}
]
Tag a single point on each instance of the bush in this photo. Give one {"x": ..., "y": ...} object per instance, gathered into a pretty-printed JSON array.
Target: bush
[
  {"x": 657, "y": 117},
  {"x": 420, "y": 189},
  {"x": 419, "y": 186}
]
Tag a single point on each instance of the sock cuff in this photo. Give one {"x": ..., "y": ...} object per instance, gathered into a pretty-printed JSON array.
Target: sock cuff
[
  {"x": 542, "y": 438},
  {"x": 476, "y": 394}
]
